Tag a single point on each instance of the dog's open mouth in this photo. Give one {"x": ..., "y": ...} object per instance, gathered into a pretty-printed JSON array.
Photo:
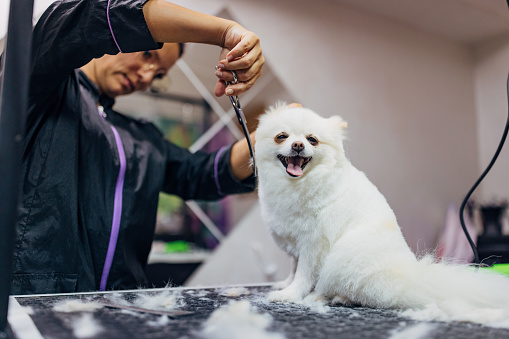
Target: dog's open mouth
[{"x": 294, "y": 165}]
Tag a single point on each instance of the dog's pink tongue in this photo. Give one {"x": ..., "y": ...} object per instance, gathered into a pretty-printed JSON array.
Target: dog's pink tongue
[{"x": 295, "y": 166}]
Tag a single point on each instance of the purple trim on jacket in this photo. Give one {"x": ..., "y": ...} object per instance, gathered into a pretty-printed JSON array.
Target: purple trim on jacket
[
  {"x": 117, "y": 207},
  {"x": 109, "y": 24},
  {"x": 216, "y": 164}
]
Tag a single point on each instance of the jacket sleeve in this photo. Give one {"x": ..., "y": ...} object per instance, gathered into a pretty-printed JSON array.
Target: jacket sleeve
[
  {"x": 201, "y": 175},
  {"x": 70, "y": 33}
]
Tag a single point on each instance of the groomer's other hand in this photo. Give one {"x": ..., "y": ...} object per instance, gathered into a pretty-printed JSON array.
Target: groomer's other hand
[
  {"x": 242, "y": 53},
  {"x": 240, "y": 158}
]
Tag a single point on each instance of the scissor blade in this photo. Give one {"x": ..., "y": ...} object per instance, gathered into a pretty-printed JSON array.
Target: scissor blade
[{"x": 242, "y": 121}]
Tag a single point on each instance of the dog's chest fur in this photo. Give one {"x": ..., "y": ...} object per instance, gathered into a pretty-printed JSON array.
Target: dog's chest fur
[
  {"x": 296, "y": 212},
  {"x": 318, "y": 209}
]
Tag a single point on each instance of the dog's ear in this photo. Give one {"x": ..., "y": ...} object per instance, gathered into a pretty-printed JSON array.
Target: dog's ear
[
  {"x": 338, "y": 127},
  {"x": 338, "y": 122}
]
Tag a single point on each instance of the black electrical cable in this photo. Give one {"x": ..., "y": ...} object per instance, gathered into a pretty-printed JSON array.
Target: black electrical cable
[
  {"x": 462, "y": 208},
  {"x": 501, "y": 144}
]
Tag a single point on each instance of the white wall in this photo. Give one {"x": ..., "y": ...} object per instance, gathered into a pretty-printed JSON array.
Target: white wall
[
  {"x": 491, "y": 71},
  {"x": 408, "y": 97}
]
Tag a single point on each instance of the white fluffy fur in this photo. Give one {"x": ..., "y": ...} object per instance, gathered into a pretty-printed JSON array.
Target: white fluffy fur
[
  {"x": 344, "y": 234},
  {"x": 238, "y": 319}
]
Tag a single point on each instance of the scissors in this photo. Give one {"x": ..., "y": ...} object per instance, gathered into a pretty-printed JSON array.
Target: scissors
[{"x": 242, "y": 118}]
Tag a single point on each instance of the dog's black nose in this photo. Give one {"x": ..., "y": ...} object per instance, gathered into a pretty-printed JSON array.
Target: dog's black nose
[{"x": 298, "y": 146}]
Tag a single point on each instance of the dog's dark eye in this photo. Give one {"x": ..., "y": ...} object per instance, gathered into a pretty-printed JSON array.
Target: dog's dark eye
[
  {"x": 312, "y": 141},
  {"x": 281, "y": 137}
]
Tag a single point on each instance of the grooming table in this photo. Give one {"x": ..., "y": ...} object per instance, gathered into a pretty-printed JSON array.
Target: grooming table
[{"x": 290, "y": 320}]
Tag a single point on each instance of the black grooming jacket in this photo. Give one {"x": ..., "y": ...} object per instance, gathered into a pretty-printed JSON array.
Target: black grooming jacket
[{"x": 71, "y": 159}]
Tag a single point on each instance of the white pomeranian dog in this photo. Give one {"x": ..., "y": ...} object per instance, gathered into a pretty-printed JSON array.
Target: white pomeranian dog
[{"x": 349, "y": 248}]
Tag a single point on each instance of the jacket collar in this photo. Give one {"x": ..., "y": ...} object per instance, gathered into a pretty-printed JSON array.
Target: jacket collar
[{"x": 102, "y": 99}]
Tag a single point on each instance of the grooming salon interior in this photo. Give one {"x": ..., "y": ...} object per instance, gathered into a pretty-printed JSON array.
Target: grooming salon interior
[{"x": 422, "y": 86}]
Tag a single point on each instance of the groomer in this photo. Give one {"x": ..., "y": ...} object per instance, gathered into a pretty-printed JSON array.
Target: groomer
[{"x": 92, "y": 176}]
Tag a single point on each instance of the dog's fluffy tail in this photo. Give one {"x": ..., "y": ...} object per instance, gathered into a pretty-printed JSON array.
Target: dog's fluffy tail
[
  {"x": 444, "y": 291},
  {"x": 422, "y": 289}
]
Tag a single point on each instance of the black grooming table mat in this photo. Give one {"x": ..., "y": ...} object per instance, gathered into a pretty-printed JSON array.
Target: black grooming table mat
[{"x": 290, "y": 320}]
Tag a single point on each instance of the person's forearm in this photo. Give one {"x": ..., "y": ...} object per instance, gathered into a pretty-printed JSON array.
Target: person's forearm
[
  {"x": 241, "y": 159},
  {"x": 172, "y": 23}
]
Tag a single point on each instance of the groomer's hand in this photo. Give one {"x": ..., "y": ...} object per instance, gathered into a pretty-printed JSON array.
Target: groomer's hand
[{"x": 242, "y": 53}]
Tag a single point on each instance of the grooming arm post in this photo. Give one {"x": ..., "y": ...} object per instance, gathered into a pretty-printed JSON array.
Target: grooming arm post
[{"x": 14, "y": 96}]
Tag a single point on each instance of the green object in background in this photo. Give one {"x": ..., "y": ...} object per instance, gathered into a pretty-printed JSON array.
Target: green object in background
[
  {"x": 499, "y": 268},
  {"x": 177, "y": 246}
]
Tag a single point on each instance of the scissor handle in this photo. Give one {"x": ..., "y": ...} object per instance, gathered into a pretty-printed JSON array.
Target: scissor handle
[
  {"x": 242, "y": 119},
  {"x": 235, "y": 101},
  {"x": 234, "y": 98}
]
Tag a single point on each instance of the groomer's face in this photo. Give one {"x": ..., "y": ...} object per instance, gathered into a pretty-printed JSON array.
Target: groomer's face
[{"x": 125, "y": 73}]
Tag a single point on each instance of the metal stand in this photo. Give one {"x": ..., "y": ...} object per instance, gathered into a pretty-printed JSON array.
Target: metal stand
[{"x": 14, "y": 95}]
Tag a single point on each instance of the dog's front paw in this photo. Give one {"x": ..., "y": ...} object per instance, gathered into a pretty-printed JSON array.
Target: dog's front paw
[
  {"x": 281, "y": 284},
  {"x": 285, "y": 295}
]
